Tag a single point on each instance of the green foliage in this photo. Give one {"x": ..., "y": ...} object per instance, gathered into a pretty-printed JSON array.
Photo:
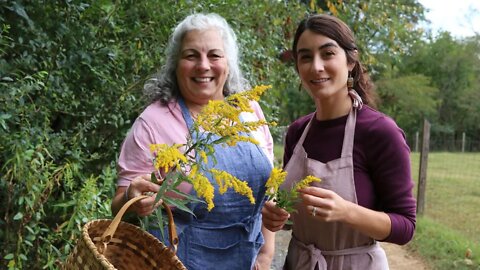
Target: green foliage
[
  {"x": 452, "y": 66},
  {"x": 443, "y": 247},
  {"x": 70, "y": 79},
  {"x": 71, "y": 75},
  {"x": 408, "y": 100},
  {"x": 449, "y": 227}
]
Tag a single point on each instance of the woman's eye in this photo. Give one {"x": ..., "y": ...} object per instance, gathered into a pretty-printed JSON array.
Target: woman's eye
[
  {"x": 215, "y": 56},
  {"x": 329, "y": 53},
  {"x": 305, "y": 57}
]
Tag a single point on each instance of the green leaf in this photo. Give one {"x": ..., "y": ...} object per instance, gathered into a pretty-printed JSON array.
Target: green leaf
[
  {"x": 188, "y": 197},
  {"x": 179, "y": 203},
  {"x": 160, "y": 222},
  {"x": 18, "y": 216},
  {"x": 9, "y": 256}
]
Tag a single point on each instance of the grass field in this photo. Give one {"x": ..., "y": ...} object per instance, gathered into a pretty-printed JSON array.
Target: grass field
[{"x": 451, "y": 222}]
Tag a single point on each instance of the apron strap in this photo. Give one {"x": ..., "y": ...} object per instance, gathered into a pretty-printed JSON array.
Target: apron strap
[{"x": 350, "y": 126}]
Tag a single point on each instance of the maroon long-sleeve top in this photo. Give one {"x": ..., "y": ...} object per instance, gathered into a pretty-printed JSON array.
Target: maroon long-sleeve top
[{"x": 381, "y": 159}]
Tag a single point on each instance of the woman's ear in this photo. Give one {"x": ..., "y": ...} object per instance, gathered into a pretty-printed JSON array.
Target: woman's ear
[
  {"x": 351, "y": 66},
  {"x": 354, "y": 57}
]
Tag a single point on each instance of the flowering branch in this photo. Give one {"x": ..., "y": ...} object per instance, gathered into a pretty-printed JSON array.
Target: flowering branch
[
  {"x": 285, "y": 198},
  {"x": 177, "y": 163}
]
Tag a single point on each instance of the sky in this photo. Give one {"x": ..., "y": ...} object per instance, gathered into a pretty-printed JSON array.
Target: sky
[{"x": 460, "y": 17}]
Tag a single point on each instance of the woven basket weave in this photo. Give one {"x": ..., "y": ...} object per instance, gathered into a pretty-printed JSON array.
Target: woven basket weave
[{"x": 107, "y": 244}]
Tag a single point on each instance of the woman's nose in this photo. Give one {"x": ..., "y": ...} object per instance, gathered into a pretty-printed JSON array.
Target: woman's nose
[
  {"x": 203, "y": 63},
  {"x": 317, "y": 64}
]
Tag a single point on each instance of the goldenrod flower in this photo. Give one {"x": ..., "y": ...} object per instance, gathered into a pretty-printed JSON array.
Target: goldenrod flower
[
  {"x": 285, "y": 198},
  {"x": 253, "y": 94},
  {"x": 306, "y": 182},
  {"x": 233, "y": 140},
  {"x": 218, "y": 117},
  {"x": 226, "y": 180},
  {"x": 167, "y": 157},
  {"x": 204, "y": 157},
  {"x": 277, "y": 177},
  {"x": 204, "y": 188}
]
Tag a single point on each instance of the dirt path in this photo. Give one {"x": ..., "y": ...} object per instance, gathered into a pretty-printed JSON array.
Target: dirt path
[{"x": 398, "y": 257}]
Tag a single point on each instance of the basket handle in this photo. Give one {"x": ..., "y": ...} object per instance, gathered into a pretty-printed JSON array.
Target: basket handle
[{"x": 172, "y": 232}]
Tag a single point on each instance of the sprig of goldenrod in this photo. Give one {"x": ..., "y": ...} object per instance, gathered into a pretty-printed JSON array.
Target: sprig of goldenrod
[
  {"x": 226, "y": 181},
  {"x": 285, "y": 198},
  {"x": 222, "y": 117},
  {"x": 167, "y": 157},
  {"x": 219, "y": 117}
]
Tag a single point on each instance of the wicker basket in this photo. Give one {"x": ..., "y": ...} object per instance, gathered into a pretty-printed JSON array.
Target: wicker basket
[{"x": 107, "y": 244}]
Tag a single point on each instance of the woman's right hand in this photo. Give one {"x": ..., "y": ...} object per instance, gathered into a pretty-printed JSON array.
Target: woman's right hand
[
  {"x": 273, "y": 217},
  {"x": 141, "y": 185}
]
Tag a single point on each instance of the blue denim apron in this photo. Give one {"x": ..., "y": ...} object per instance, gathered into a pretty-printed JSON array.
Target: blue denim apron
[{"x": 229, "y": 236}]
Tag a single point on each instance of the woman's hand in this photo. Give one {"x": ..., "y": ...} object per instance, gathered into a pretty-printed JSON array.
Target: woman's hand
[
  {"x": 273, "y": 217},
  {"x": 328, "y": 206},
  {"x": 324, "y": 204},
  {"x": 140, "y": 185}
]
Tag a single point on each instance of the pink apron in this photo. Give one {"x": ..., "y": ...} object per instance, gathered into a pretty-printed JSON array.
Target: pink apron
[{"x": 329, "y": 245}]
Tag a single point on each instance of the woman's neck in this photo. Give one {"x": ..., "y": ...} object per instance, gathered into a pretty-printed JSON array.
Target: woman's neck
[{"x": 333, "y": 108}]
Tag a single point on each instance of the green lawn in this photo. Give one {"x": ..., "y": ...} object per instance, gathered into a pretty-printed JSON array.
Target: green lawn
[
  {"x": 453, "y": 191},
  {"x": 451, "y": 222}
]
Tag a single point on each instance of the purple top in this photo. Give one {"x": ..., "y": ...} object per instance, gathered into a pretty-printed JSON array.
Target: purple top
[{"x": 381, "y": 159}]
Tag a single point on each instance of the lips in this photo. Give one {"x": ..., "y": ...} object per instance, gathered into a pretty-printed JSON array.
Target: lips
[
  {"x": 319, "y": 80},
  {"x": 203, "y": 79}
]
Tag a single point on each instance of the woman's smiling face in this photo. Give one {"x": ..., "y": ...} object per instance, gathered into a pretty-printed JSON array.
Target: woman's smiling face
[
  {"x": 202, "y": 68},
  {"x": 322, "y": 66}
]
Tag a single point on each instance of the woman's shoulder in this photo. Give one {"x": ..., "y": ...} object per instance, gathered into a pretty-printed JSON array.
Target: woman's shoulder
[
  {"x": 373, "y": 118},
  {"x": 158, "y": 112},
  {"x": 377, "y": 125}
]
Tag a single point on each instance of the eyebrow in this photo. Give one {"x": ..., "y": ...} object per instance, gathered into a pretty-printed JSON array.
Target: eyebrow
[
  {"x": 326, "y": 45},
  {"x": 195, "y": 50}
]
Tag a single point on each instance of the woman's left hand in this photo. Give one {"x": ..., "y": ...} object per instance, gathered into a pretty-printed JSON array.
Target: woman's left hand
[{"x": 324, "y": 204}]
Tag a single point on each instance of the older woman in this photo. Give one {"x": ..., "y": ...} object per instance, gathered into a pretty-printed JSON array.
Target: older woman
[{"x": 202, "y": 64}]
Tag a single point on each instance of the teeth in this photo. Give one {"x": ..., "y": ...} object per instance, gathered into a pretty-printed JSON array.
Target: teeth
[
  {"x": 319, "y": 81},
  {"x": 202, "y": 80}
]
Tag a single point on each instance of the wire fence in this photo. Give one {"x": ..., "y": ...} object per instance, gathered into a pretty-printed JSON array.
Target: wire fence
[{"x": 462, "y": 143}]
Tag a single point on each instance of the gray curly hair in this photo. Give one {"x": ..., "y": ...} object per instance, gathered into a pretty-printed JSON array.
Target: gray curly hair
[{"x": 163, "y": 85}]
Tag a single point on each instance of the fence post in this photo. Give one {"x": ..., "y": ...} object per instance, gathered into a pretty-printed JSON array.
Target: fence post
[
  {"x": 463, "y": 142},
  {"x": 416, "y": 141},
  {"x": 422, "y": 177}
]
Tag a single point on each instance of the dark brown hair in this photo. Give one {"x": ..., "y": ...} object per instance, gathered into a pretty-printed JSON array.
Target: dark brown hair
[{"x": 337, "y": 30}]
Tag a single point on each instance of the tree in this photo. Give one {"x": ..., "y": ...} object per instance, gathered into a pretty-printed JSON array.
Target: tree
[{"x": 452, "y": 66}]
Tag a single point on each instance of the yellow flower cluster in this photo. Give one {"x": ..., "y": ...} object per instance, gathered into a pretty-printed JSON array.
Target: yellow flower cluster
[
  {"x": 277, "y": 177},
  {"x": 285, "y": 199},
  {"x": 223, "y": 117},
  {"x": 167, "y": 157},
  {"x": 226, "y": 181},
  {"x": 202, "y": 186},
  {"x": 220, "y": 118},
  {"x": 306, "y": 182}
]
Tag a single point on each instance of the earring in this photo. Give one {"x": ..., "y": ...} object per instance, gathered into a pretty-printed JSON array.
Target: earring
[{"x": 350, "y": 81}]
